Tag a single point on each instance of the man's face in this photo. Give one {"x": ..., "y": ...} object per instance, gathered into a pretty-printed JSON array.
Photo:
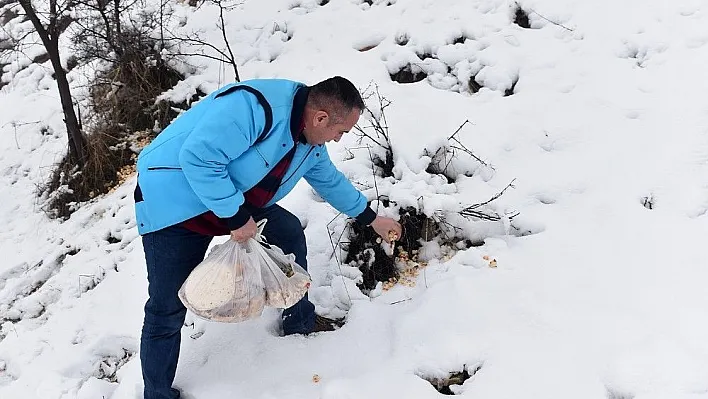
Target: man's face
[{"x": 326, "y": 128}]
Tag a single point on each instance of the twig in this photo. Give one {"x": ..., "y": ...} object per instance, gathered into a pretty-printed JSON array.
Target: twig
[
  {"x": 553, "y": 22},
  {"x": 339, "y": 240},
  {"x": 226, "y": 40},
  {"x": 17, "y": 143},
  {"x": 464, "y": 149},
  {"x": 194, "y": 38},
  {"x": 362, "y": 186},
  {"x": 368, "y": 136},
  {"x": 334, "y": 250},
  {"x": 444, "y": 222},
  {"x": 373, "y": 170},
  {"x": 15, "y": 125},
  {"x": 484, "y": 216},
  {"x": 461, "y": 147},
  {"x": 449, "y": 161},
  {"x": 460, "y": 128},
  {"x": 497, "y": 195},
  {"x": 471, "y": 212},
  {"x": 380, "y": 129},
  {"x": 373, "y": 176}
]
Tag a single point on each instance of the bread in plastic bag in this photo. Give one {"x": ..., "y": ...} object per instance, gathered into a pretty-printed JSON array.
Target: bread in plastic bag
[
  {"x": 227, "y": 286},
  {"x": 285, "y": 281},
  {"x": 237, "y": 280}
]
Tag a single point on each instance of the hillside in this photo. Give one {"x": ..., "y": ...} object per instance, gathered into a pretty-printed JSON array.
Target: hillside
[{"x": 596, "y": 111}]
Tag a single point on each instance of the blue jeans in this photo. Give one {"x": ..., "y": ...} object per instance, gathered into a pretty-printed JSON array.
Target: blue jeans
[{"x": 171, "y": 254}]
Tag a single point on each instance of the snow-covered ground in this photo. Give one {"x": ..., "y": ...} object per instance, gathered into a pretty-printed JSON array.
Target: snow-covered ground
[{"x": 599, "y": 289}]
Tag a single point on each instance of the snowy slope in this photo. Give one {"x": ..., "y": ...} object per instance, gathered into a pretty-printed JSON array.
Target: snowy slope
[{"x": 601, "y": 297}]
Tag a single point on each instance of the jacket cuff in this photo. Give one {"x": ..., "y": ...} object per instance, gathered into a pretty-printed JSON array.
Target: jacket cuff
[
  {"x": 239, "y": 219},
  {"x": 367, "y": 217}
]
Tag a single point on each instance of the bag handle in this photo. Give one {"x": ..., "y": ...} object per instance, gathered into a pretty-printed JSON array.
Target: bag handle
[{"x": 260, "y": 225}]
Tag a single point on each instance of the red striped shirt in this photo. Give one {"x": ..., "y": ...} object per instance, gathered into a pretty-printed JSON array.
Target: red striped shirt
[{"x": 258, "y": 196}]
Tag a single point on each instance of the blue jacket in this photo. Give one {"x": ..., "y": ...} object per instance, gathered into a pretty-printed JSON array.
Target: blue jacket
[{"x": 214, "y": 152}]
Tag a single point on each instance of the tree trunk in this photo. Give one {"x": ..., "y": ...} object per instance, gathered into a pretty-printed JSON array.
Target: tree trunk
[{"x": 77, "y": 143}]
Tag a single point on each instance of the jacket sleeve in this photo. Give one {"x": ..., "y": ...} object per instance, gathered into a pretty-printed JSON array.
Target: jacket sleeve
[
  {"x": 219, "y": 137},
  {"x": 335, "y": 188}
]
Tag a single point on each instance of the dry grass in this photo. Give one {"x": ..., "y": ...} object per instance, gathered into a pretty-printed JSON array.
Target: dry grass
[{"x": 68, "y": 186}]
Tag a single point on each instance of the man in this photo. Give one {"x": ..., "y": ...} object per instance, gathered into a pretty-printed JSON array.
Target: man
[{"x": 216, "y": 170}]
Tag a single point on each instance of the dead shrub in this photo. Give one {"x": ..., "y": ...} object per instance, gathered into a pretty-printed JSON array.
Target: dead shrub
[
  {"x": 69, "y": 186},
  {"x": 125, "y": 93}
]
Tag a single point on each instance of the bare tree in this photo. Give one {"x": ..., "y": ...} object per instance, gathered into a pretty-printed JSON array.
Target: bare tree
[
  {"x": 204, "y": 47},
  {"x": 112, "y": 30},
  {"x": 50, "y": 23}
]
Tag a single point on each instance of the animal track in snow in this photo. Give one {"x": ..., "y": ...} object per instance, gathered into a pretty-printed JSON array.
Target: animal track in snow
[
  {"x": 546, "y": 198},
  {"x": 25, "y": 292}
]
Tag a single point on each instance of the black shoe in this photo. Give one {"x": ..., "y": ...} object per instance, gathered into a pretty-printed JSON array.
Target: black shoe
[{"x": 325, "y": 324}]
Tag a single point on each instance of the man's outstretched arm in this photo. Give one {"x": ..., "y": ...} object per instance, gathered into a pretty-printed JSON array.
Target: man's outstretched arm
[{"x": 335, "y": 188}]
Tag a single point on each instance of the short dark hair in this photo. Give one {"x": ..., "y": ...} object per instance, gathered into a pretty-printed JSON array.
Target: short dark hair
[{"x": 336, "y": 95}]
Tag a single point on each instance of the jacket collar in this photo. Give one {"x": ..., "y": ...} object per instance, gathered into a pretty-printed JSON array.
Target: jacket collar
[{"x": 296, "y": 117}]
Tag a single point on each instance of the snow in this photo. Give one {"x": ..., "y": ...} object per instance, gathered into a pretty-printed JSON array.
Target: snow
[{"x": 594, "y": 295}]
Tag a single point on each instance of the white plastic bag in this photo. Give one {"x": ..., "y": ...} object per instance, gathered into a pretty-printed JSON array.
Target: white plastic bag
[
  {"x": 237, "y": 280},
  {"x": 285, "y": 281},
  {"x": 227, "y": 286}
]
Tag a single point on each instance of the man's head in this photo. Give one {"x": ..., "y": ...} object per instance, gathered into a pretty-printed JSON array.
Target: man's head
[{"x": 332, "y": 109}]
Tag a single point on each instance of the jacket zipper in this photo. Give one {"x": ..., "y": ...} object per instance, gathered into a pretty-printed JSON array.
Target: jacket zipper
[{"x": 163, "y": 168}]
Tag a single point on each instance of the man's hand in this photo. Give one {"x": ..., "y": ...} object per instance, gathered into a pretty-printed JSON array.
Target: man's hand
[
  {"x": 245, "y": 232},
  {"x": 383, "y": 226}
]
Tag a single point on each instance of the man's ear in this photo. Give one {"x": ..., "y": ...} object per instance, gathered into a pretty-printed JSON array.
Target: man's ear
[{"x": 321, "y": 118}]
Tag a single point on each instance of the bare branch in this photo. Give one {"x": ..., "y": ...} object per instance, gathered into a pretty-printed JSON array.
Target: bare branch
[
  {"x": 339, "y": 240},
  {"x": 497, "y": 195},
  {"x": 553, "y": 22},
  {"x": 364, "y": 134},
  {"x": 462, "y": 147},
  {"x": 116, "y": 17},
  {"x": 194, "y": 38},
  {"x": 377, "y": 130},
  {"x": 470, "y": 153},
  {"x": 198, "y": 41},
  {"x": 471, "y": 211},
  {"x": 459, "y": 128},
  {"x": 128, "y": 6},
  {"x": 204, "y": 55},
  {"x": 222, "y": 26},
  {"x": 36, "y": 22}
]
